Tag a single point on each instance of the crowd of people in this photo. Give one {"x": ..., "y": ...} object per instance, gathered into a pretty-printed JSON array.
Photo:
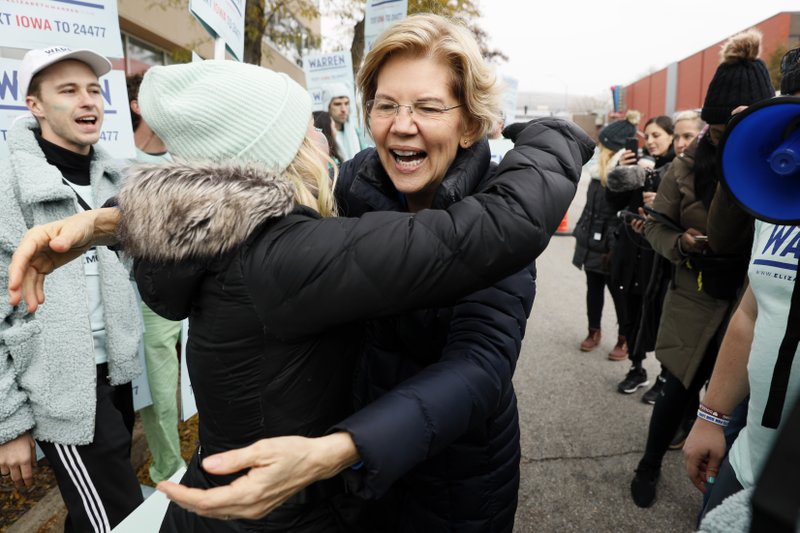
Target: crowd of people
[
  {"x": 357, "y": 307},
  {"x": 663, "y": 234}
]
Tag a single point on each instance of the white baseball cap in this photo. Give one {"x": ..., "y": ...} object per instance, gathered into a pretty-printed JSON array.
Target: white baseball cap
[{"x": 37, "y": 60}]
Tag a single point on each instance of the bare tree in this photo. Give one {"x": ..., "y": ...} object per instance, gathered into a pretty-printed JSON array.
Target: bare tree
[{"x": 277, "y": 20}]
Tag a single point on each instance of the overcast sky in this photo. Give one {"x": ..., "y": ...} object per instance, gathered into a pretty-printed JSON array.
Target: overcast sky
[{"x": 587, "y": 46}]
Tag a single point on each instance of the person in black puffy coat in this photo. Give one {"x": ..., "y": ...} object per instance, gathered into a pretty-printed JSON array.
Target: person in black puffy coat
[
  {"x": 275, "y": 291},
  {"x": 595, "y": 232},
  {"x": 632, "y": 185}
]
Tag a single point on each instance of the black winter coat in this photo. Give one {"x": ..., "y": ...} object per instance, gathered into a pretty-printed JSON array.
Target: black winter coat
[
  {"x": 271, "y": 290},
  {"x": 594, "y": 231},
  {"x": 632, "y": 256},
  {"x": 438, "y": 417}
]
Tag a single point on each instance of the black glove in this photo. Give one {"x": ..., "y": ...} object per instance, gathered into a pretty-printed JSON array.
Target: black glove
[
  {"x": 512, "y": 130},
  {"x": 585, "y": 145}
]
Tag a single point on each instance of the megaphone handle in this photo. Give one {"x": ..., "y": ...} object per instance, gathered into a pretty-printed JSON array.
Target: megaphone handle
[
  {"x": 785, "y": 160},
  {"x": 783, "y": 366}
]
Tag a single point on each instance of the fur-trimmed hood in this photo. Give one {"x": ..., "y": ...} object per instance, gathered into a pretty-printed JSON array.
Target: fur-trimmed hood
[
  {"x": 182, "y": 210},
  {"x": 626, "y": 178}
]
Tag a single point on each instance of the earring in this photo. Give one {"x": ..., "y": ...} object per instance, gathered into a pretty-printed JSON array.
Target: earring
[{"x": 465, "y": 142}]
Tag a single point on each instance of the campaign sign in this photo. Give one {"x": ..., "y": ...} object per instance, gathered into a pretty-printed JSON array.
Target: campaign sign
[
  {"x": 116, "y": 136},
  {"x": 223, "y": 19},
  {"x": 379, "y": 15},
  {"x": 90, "y": 24},
  {"x": 188, "y": 404},
  {"x": 323, "y": 69},
  {"x": 510, "y": 99},
  {"x": 140, "y": 386}
]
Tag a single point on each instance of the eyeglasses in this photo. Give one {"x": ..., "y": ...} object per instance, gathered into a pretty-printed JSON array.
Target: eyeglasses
[
  {"x": 380, "y": 109},
  {"x": 790, "y": 60}
]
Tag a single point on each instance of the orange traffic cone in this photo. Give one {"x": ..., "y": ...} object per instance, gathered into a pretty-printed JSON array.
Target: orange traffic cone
[{"x": 563, "y": 227}]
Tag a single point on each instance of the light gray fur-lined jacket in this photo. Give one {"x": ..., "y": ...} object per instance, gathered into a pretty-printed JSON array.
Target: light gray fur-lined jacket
[{"x": 47, "y": 365}]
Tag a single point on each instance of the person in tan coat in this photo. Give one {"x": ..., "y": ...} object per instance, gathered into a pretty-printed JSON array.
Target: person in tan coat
[{"x": 705, "y": 285}]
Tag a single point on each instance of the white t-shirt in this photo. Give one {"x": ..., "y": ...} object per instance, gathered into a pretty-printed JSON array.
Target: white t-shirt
[
  {"x": 91, "y": 270},
  {"x": 772, "y": 272}
]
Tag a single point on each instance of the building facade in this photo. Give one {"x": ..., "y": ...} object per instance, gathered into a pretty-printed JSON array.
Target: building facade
[
  {"x": 683, "y": 84},
  {"x": 162, "y": 32}
]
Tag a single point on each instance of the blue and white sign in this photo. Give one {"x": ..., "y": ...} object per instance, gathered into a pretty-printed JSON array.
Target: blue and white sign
[
  {"x": 140, "y": 386},
  {"x": 222, "y": 19},
  {"x": 116, "y": 136},
  {"x": 510, "y": 98},
  {"x": 90, "y": 24},
  {"x": 379, "y": 15},
  {"x": 188, "y": 404},
  {"x": 324, "y": 69}
]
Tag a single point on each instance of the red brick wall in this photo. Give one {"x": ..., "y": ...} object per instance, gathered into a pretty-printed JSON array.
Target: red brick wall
[{"x": 695, "y": 72}]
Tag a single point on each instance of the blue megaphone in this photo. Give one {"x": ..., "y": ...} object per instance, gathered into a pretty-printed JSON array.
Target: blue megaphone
[{"x": 760, "y": 159}]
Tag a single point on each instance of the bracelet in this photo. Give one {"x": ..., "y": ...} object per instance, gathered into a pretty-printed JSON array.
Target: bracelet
[
  {"x": 713, "y": 419},
  {"x": 710, "y": 411}
]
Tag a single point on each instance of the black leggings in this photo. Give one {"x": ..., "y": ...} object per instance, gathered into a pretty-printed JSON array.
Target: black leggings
[
  {"x": 671, "y": 407},
  {"x": 596, "y": 284},
  {"x": 630, "y": 328}
]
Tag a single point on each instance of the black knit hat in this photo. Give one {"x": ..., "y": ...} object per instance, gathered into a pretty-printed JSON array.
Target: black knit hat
[
  {"x": 790, "y": 69},
  {"x": 614, "y": 135},
  {"x": 741, "y": 78}
]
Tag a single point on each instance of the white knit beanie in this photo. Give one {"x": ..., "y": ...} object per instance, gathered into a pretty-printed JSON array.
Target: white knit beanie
[{"x": 219, "y": 110}]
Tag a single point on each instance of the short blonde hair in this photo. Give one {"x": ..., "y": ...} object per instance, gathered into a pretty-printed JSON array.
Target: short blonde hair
[
  {"x": 472, "y": 82},
  {"x": 690, "y": 114},
  {"x": 313, "y": 186}
]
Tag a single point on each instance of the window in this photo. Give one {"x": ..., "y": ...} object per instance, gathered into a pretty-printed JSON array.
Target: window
[{"x": 140, "y": 55}]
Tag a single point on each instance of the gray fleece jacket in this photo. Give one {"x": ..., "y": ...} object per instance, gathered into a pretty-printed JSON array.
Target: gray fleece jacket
[{"x": 47, "y": 365}]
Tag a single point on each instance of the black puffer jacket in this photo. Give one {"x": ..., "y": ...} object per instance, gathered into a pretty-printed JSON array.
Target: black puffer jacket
[
  {"x": 594, "y": 231},
  {"x": 632, "y": 256},
  {"x": 270, "y": 291},
  {"x": 438, "y": 415}
]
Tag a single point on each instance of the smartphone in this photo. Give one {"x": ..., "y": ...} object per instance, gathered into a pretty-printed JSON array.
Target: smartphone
[
  {"x": 629, "y": 216},
  {"x": 632, "y": 144},
  {"x": 701, "y": 238},
  {"x": 664, "y": 219}
]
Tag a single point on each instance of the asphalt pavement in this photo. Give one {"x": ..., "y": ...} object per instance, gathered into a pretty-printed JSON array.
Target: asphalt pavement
[{"x": 581, "y": 439}]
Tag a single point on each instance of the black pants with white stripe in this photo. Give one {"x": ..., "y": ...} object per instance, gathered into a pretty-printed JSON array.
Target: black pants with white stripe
[{"x": 97, "y": 481}]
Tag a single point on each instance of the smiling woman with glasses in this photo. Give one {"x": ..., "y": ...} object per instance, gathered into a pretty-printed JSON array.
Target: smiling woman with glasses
[{"x": 437, "y": 429}]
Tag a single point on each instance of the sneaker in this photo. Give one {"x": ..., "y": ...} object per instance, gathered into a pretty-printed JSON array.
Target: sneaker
[
  {"x": 620, "y": 351},
  {"x": 591, "y": 341},
  {"x": 651, "y": 395},
  {"x": 636, "y": 378},
  {"x": 643, "y": 486}
]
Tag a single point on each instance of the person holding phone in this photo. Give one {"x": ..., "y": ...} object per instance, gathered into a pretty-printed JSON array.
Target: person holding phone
[
  {"x": 595, "y": 230},
  {"x": 704, "y": 286},
  {"x": 632, "y": 187}
]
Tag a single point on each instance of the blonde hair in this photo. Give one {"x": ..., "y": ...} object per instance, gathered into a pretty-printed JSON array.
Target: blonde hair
[
  {"x": 472, "y": 80},
  {"x": 603, "y": 162},
  {"x": 313, "y": 186},
  {"x": 689, "y": 115}
]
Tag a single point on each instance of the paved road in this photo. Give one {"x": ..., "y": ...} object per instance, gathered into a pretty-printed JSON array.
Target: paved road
[{"x": 581, "y": 439}]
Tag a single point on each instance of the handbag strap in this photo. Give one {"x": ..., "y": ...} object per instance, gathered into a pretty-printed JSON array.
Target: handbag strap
[
  {"x": 783, "y": 365},
  {"x": 775, "y": 499},
  {"x": 81, "y": 201}
]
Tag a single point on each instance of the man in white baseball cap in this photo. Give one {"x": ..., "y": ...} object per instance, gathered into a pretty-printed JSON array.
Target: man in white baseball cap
[
  {"x": 65, "y": 371},
  {"x": 36, "y": 61}
]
